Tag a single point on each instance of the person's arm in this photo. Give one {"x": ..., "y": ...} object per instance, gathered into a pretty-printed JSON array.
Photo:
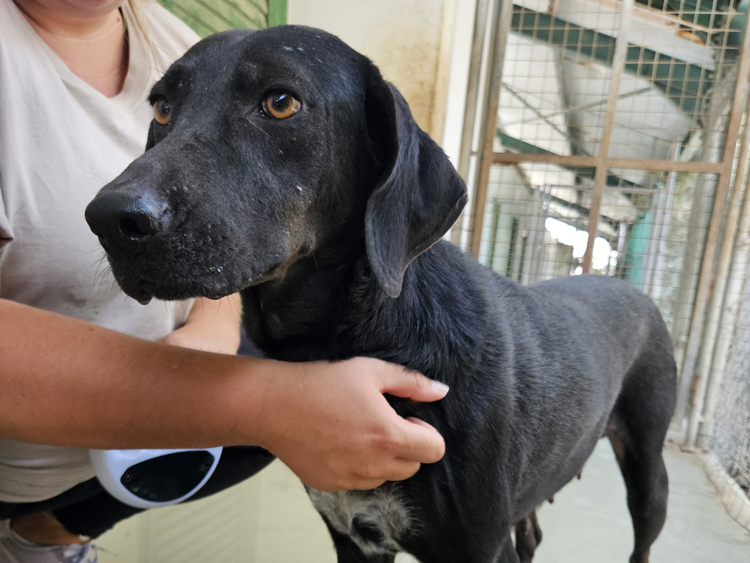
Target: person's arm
[
  {"x": 65, "y": 382},
  {"x": 211, "y": 326}
]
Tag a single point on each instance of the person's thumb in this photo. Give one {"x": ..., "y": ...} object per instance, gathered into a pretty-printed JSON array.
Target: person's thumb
[
  {"x": 408, "y": 384},
  {"x": 424, "y": 444}
]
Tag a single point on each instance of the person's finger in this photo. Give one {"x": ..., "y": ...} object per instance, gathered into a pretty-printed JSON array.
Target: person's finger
[
  {"x": 421, "y": 442},
  {"x": 403, "y": 469},
  {"x": 420, "y": 422},
  {"x": 408, "y": 384},
  {"x": 398, "y": 470},
  {"x": 362, "y": 485}
]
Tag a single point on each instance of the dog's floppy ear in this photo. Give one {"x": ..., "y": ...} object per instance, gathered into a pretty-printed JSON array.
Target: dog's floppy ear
[{"x": 420, "y": 194}]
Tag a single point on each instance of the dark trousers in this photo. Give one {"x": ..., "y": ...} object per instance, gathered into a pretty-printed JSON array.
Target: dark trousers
[{"x": 88, "y": 510}]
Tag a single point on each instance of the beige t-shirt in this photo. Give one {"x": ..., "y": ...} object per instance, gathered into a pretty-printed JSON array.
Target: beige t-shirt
[{"x": 60, "y": 142}]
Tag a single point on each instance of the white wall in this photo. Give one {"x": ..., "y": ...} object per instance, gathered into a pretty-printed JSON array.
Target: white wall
[
  {"x": 460, "y": 53},
  {"x": 402, "y": 38}
]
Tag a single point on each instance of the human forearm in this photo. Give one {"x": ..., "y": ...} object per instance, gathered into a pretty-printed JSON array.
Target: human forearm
[
  {"x": 69, "y": 383},
  {"x": 64, "y": 382}
]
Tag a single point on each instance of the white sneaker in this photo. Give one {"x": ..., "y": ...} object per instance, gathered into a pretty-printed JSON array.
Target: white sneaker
[{"x": 15, "y": 549}]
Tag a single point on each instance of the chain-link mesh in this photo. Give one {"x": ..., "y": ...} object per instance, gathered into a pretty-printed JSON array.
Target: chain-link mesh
[{"x": 730, "y": 439}]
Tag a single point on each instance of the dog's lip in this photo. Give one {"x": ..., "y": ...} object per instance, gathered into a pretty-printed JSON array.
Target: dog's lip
[
  {"x": 143, "y": 287},
  {"x": 143, "y": 290}
]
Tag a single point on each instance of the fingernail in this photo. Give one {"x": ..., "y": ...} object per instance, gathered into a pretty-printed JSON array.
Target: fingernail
[{"x": 440, "y": 387}]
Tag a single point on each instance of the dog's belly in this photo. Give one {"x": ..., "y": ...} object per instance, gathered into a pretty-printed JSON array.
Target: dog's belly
[{"x": 375, "y": 520}]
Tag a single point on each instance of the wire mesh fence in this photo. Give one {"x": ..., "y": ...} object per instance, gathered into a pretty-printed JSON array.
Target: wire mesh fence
[
  {"x": 729, "y": 439},
  {"x": 630, "y": 112}
]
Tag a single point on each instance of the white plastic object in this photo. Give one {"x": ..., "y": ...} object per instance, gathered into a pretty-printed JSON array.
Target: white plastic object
[{"x": 154, "y": 478}]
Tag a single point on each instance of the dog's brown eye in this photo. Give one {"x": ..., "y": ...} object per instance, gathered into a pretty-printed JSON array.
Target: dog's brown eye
[
  {"x": 162, "y": 111},
  {"x": 281, "y": 105}
]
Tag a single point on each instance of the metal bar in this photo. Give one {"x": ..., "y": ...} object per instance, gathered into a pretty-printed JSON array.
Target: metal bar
[
  {"x": 624, "y": 163},
  {"x": 533, "y": 110},
  {"x": 472, "y": 89},
  {"x": 720, "y": 284},
  {"x": 497, "y": 58},
  {"x": 472, "y": 100},
  {"x": 600, "y": 179},
  {"x": 583, "y": 107},
  {"x": 717, "y": 215}
]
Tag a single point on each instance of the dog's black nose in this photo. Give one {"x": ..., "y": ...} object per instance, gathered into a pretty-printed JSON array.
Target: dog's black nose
[{"x": 123, "y": 220}]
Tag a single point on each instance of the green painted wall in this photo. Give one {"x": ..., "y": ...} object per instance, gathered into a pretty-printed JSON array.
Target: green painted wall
[{"x": 211, "y": 16}]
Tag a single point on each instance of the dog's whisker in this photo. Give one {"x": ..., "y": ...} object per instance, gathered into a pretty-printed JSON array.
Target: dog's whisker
[{"x": 250, "y": 121}]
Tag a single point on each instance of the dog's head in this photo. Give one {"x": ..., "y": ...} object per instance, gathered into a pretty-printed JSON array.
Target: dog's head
[{"x": 265, "y": 147}]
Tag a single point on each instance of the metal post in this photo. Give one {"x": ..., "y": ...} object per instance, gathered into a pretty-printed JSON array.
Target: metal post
[
  {"x": 600, "y": 177},
  {"x": 657, "y": 278},
  {"x": 472, "y": 101},
  {"x": 717, "y": 300},
  {"x": 712, "y": 239},
  {"x": 691, "y": 266},
  {"x": 503, "y": 17},
  {"x": 654, "y": 238}
]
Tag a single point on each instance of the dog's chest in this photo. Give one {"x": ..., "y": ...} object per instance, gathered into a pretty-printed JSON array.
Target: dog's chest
[{"x": 376, "y": 520}]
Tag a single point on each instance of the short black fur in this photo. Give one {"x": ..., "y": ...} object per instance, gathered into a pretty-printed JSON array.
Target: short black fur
[{"x": 329, "y": 223}]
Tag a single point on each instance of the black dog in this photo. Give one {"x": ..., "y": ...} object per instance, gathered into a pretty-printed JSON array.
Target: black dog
[{"x": 280, "y": 164}]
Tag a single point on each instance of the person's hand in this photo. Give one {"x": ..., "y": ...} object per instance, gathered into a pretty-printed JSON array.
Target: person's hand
[
  {"x": 211, "y": 326},
  {"x": 330, "y": 423},
  {"x": 203, "y": 336}
]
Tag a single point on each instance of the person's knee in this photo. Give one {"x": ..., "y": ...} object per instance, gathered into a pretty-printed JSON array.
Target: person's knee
[{"x": 44, "y": 529}]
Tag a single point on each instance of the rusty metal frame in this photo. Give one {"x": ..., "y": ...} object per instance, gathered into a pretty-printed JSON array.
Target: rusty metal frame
[
  {"x": 500, "y": 30},
  {"x": 600, "y": 177},
  {"x": 622, "y": 163}
]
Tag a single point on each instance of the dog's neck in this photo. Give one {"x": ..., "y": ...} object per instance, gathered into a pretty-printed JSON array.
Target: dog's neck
[{"x": 335, "y": 309}]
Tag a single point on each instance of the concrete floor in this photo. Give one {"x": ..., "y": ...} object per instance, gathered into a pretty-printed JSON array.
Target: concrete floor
[
  {"x": 269, "y": 519},
  {"x": 588, "y": 523}
]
